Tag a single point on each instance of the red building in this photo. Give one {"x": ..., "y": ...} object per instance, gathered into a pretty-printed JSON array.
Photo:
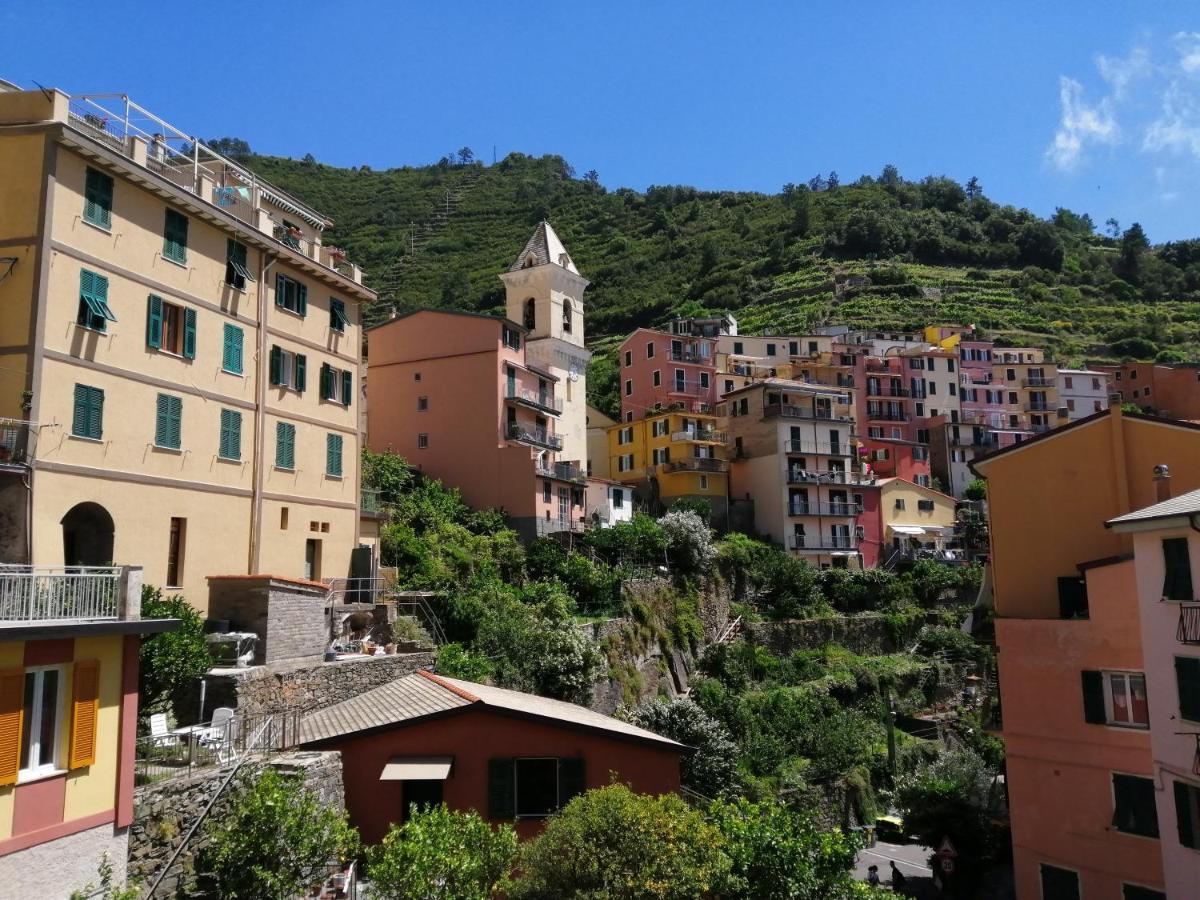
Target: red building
[
  {"x": 660, "y": 368},
  {"x": 510, "y": 756}
]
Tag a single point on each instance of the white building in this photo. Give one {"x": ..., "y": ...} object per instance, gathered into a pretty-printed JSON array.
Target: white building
[
  {"x": 1082, "y": 392},
  {"x": 608, "y": 502}
]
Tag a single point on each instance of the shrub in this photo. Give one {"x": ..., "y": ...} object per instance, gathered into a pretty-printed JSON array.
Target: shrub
[
  {"x": 171, "y": 662},
  {"x": 455, "y": 661},
  {"x": 689, "y": 542},
  {"x": 711, "y": 770},
  {"x": 442, "y": 855},
  {"x": 976, "y": 489}
]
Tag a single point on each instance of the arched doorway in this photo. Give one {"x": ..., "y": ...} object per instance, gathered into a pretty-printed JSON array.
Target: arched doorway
[{"x": 87, "y": 536}]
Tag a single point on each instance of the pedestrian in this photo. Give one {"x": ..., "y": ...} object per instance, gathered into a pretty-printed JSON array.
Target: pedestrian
[
  {"x": 873, "y": 876},
  {"x": 897, "y": 878}
]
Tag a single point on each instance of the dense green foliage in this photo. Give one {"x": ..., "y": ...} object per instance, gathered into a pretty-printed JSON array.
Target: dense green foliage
[
  {"x": 274, "y": 841},
  {"x": 171, "y": 662},
  {"x": 439, "y": 854},
  {"x": 932, "y": 250},
  {"x": 711, "y": 770}
]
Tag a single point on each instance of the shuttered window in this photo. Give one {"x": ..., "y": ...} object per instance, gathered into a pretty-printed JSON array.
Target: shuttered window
[
  {"x": 12, "y": 694},
  {"x": 231, "y": 349},
  {"x": 97, "y": 199},
  {"x": 1187, "y": 679},
  {"x": 289, "y": 369},
  {"x": 168, "y": 423},
  {"x": 337, "y": 315},
  {"x": 237, "y": 273},
  {"x": 333, "y": 455},
  {"x": 154, "y": 321},
  {"x": 1187, "y": 814},
  {"x": 501, "y": 789},
  {"x": 175, "y": 237},
  {"x": 291, "y": 295},
  {"x": 1059, "y": 884},
  {"x": 88, "y": 418},
  {"x": 1094, "y": 710},
  {"x": 85, "y": 713},
  {"x": 1134, "y": 810},
  {"x": 337, "y": 385},
  {"x": 285, "y": 445},
  {"x": 1177, "y": 583},
  {"x": 189, "y": 334},
  {"x": 170, "y": 327},
  {"x": 231, "y": 435},
  {"x": 94, "y": 311}
]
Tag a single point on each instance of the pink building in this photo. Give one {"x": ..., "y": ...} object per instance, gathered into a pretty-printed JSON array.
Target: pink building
[
  {"x": 454, "y": 394},
  {"x": 659, "y": 369}
]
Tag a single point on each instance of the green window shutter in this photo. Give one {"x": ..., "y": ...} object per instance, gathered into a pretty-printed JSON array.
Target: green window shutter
[
  {"x": 301, "y": 372},
  {"x": 337, "y": 314},
  {"x": 1094, "y": 711},
  {"x": 276, "y": 365},
  {"x": 231, "y": 351},
  {"x": 168, "y": 422},
  {"x": 280, "y": 290},
  {"x": 1177, "y": 583},
  {"x": 79, "y": 422},
  {"x": 97, "y": 198},
  {"x": 502, "y": 801},
  {"x": 347, "y": 387},
  {"x": 161, "y": 428},
  {"x": 189, "y": 334},
  {"x": 285, "y": 445},
  {"x": 302, "y": 299},
  {"x": 1187, "y": 679},
  {"x": 154, "y": 321},
  {"x": 326, "y": 381},
  {"x": 231, "y": 434},
  {"x": 572, "y": 779},
  {"x": 1186, "y": 802},
  {"x": 96, "y": 413},
  {"x": 333, "y": 455},
  {"x": 175, "y": 236}
]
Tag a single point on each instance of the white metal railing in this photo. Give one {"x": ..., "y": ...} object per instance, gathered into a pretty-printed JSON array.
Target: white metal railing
[
  {"x": 42, "y": 593},
  {"x": 542, "y": 399},
  {"x": 704, "y": 435}
]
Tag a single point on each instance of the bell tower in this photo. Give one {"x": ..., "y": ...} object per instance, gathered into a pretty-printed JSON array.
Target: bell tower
[{"x": 544, "y": 293}]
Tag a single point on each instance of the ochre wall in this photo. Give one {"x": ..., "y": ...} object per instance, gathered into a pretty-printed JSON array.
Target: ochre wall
[{"x": 20, "y": 200}]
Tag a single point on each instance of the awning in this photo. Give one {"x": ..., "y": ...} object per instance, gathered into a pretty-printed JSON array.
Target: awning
[
  {"x": 908, "y": 529},
  {"x": 417, "y": 768}
]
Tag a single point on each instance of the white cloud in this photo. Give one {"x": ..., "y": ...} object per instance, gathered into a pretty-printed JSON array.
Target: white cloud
[
  {"x": 1187, "y": 44},
  {"x": 1177, "y": 128},
  {"x": 1122, "y": 72},
  {"x": 1081, "y": 124}
]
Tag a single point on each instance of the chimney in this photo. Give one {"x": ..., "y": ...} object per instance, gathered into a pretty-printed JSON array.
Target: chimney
[{"x": 1162, "y": 482}]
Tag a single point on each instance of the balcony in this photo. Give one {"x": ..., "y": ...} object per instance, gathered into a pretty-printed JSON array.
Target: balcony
[
  {"x": 558, "y": 526},
  {"x": 189, "y": 164},
  {"x": 561, "y": 472},
  {"x": 687, "y": 355},
  {"x": 1188, "y": 631},
  {"x": 823, "y": 448},
  {"x": 41, "y": 595},
  {"x": 696, "y": 465},
  {"x": 1040, "y": 406},
  {"x": 16, "y": 446},
  {"x": 544, "y": 401},
  {"x": 1038, "y": 381},
  {"x": 368, "y": 502},
  {"x": 534, "y": 435},
  {"x": 819, "y": 508},
  {"x": 880, "y": 415},
  {"x": 804, "y": 543},
  {"x": 689, "y": 388},
  {"x": 701, "y": 436},
  {"x": 985, "y": 442},
  {"x": 878, "y": 390},
  {"x": 789, "y": 411}
]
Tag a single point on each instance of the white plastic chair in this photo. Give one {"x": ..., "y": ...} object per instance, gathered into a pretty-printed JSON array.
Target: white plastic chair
[
  {"x": 160, "y": 735},
  {"x": 218, "y": 735}
]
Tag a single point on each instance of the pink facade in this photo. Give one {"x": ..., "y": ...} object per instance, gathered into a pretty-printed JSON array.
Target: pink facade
[
  {"x": 659, "y": 369},
  {"x": 454, "y": 395},
  {"x": 870, "y": 526}
]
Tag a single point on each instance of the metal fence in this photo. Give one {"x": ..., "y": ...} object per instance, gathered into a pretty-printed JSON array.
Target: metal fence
[
  {"x": 45, "y": 593},
  {"x": 183, "y": 751}
]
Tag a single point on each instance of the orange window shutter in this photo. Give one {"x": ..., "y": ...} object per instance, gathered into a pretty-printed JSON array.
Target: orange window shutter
[
  {"x": 12, "y": 704},
  {"x": 85, "y": 711}
]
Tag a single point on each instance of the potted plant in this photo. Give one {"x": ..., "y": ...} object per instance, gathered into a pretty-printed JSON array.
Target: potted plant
[{"x": 337, "y": 254}]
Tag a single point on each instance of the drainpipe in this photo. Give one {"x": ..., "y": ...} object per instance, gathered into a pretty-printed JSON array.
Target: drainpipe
[{"x": 260, "y": 415}]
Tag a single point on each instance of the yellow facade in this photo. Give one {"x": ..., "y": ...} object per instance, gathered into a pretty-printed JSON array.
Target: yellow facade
[
  {"x": 664, "y": 447},
  {"x": 242, "y": 514},
  {"x": 905, "y": 503}
]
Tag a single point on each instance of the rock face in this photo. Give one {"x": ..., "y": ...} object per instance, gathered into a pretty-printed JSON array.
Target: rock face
[{"x": 165, "y": 810}]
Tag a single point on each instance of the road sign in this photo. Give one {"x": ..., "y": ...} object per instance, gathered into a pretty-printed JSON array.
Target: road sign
[
  {"x": 947, "y": 865},
  {"x": 946, "y": 849}
]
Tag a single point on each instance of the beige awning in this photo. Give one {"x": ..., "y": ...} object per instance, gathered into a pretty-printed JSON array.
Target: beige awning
[
  {"x": 907, "y": 529},
  {"x": 417, "y": 768}
]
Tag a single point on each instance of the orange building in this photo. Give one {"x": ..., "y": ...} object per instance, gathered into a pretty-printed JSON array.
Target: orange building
[
  {"x": 1072, "y": 681},
  {"x": 1166, "y": 390}
]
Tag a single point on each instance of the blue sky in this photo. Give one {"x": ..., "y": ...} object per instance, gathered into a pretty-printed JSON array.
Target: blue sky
[{"x": 1090, "y": 105}]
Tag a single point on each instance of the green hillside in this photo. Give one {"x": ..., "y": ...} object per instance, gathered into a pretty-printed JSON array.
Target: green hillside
[{"x": 933, "y": 251}]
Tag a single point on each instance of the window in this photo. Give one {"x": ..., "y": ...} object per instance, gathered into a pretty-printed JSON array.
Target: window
[
  {"x": 657, "y": 380},
  {"x": 1137, "y": 892},
  {"x": 625, "y": 436},
  {"x": 289, "y": 369},
  {"x": 1133, "y": 375},
  {"x": 1059, "y": 884},
  {"x": 94, "y": 311},
  {"x": 728, "y": 386},
  {"x": 875, "y": 431},
  {"x": 175, "y": 552},
  {"x": 547, "y": 494},
  {"x": 649, "y": 349},
  {"x": 566, "y": 319},
  {"x": 337, "y": 315},
  {"x": 1134, "y": 810},
  {"x": 953, "y": 388},
  {"x": 175, "y": 237},
  {"x": 661, "y": 455},
  {"x": 1068, "y": 382},
  {"x": 285, "y": 445},
  {"x": 291, "y": 295},
  {"x": 237, "y": 273},
  {"x": 932, "y": 389},
  {"x": 770, "y": 349},
  {"x": 793, "y": 348},
  {"x": 949, "y": 365},
  {"x": 1070, "y": 404},
  {"x": 422, "y": 441},
  {"x": 510, "y": 337},
  {"x": 1095, "y": 384},
  {"x": 704, "y": 382},
  {"x": 704, "y": 482},
  {"x": 922, "y": 480},
  {"x": 337, "y": 385},
  {"x": 1115, "y": 698},
  {"x": 97, "y": 199},
  {"x": 1187, "y": 814},
  {"x": 1187, "y": 679},
  {"x": 618, "y": 498},
  {"x": 1096, "y": 406},
  {"x": 532, "y": 788},
  {"x": 171, "y": 328},
  {"x": 422, "y": 404},
  {"x": 916, "y": 363},
  {"x": 900, "y": 503},
  {"x": 168, "y": 422},
  {"x": 925, "y": 505},
  {"x": 1177, "y": 584},
  {"x": 628, "y": 387},
  {"x": 628, "y": 358},
  {"x": 333, "y": 455},
  {"x": 625, "y": 463},
  {"x": 416, "y": 376},
  {"x": 231, "y": 435},
  {"x": 659, "y": 427},
  {"x": 231, "y": 349},
  {"x": 41, "y": 720},
  {"x": 530, "y": 310},
  {"x": 88, "y": 418}
]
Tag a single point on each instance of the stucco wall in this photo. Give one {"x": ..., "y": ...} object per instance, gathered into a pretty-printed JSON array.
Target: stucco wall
[{"x": 53, "y": 870}]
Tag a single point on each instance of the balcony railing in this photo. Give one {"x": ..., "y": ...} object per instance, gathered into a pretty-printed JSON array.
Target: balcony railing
[
  {"x": 54, "y": 594},
  {"x": 369, "y": 501},
  {"x": 690, "y": 388},
  {"x": 686, "y": 356},
  {"x": 1040, "y": 406},
  {"x": 701, "y": 436},
  {"x": 789, "y": 411},
  {"x": 820, "y": 508},
  {"x": 544, "y": 400},
  {"x": 882, "y": 415},
  {"x": 1038, "y": 381},
  {"x": 817, "y": 543},
  {"x": 561, "y": 472},
  {"x": 532, "y": 434},
  {"x": 16, "y": 448},
  {"x": 1188, "y": 631},
  {"x": 558, "y": 526},
  {"x": 825, "y": 448},
  {"x": 697, "y": 465},
  {"x": 883, "y": 390},
  {"x": 833, "y": 476},
  {"x": 986, "y": 442}
]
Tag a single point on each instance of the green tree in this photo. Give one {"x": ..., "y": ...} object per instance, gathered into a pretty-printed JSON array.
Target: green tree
[
  {"x": 387, "y": 472},
  {"x": 439, "y": 854},
  {"x": 689, "y": 542},
  {"x": 711, "y": 769},
  {"x": 1134, "y": 244},
  {"x": 974, "y": 189},
  {"x": 613, "y": 844},
  {"x": 273, "y": 841},
  {"x": 171, "y": 662},
  {"x": 455, "y": 661},
  {"x": 976, "y": 489}
]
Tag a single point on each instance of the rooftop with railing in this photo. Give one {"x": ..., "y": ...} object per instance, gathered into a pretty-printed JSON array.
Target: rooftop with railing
[{"x": 63, "y": 595}]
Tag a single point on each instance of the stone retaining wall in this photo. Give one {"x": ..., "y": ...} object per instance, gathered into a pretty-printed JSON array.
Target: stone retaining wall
[{"x": 164, "y": 811}]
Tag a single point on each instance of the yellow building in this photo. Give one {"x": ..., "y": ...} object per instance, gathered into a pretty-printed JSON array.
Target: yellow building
[
  {"x": 673, "y": 455},
  {"x": 915, "y": 521},
  {"x": 68, "y": 725},
  {"x": 1029, "y": 381},
  {"x": 179, "y": 355}
]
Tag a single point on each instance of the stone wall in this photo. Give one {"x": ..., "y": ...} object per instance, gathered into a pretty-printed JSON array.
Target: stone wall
[
  {"x": 164, "y": 811},
  {"x": 865, "y": 634},
  {"x": 291, "y": 618},
  {"x": 307, "y": 685}
]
